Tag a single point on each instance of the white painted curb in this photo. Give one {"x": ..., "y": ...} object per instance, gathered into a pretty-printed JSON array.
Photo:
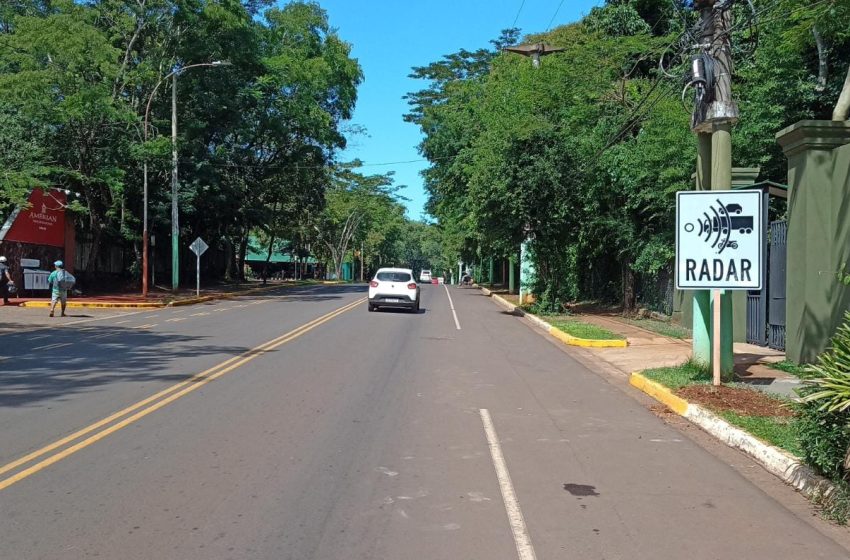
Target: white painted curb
[{"x": 774, "y": 460}]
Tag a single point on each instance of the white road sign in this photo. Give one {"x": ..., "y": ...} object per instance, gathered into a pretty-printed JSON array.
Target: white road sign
[
  {"x": 198, "y": 246},
  {"x": 719, "y": 240}
]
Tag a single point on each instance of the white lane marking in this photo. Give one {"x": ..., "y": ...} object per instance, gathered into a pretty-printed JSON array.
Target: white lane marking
[
  {"x": 521, "y": 537},
  {"x": 201, "y": 314},
  {"x": 122, "y": 322},
  {"x": 52, "y": 346},
  {"x": 39, "y": 336},
  {"x": 452, "y": 304},
  {"x": 175, "y": 319},
  {"x": 150, "y": 316},
  {"x": 148, "y": 326}
]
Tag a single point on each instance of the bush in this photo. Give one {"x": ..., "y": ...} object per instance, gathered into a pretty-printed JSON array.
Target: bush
[
  {"x": 824, "y": 438},
  {"x": 825, "y": 410}
]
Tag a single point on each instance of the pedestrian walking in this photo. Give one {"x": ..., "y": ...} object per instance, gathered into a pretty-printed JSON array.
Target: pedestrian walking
[
  {"x": 5, "y": 280},
  {"x": 60, "y": 281}
]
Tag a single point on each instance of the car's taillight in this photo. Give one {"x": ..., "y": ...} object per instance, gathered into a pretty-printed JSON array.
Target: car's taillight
[
  {"x": 411, "y": 286},
  {"x": 373, "y": 284}
]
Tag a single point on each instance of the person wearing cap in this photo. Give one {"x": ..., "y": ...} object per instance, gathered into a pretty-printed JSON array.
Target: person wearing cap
[
  {"x": 5, "y": 280},
  {"x": 57, "y": 294}
]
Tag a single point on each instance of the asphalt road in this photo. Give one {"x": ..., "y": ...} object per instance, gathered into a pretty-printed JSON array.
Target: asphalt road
[{"x": 296, "y": 425}]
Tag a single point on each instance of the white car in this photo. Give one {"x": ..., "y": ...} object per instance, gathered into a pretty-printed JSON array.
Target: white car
[
  {"x": 394, "y": 287},
  {"x": 425, "y": 276}
]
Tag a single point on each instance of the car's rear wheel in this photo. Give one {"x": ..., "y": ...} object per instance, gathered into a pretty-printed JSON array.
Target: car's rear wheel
[
  {"x": 416, "y": 307},
  {"x": 371, "y": 307}
]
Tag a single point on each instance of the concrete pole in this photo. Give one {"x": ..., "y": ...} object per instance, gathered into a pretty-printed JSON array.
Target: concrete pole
[
  {"x": 721, "y": 179},
  {"x": 175, "y": 226},
  {"x": 511, "y": 275},
  {"x": 725, "y": 112},
  {"x": 492, "y": 277}
]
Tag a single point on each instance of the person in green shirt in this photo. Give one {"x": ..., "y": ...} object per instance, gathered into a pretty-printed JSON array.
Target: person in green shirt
[{"x": 57, "y": 294}]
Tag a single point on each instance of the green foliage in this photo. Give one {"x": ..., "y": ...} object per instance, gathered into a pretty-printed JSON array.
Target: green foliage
[
  {"x": 779, "y": 431},
  {"x": 580, "y": 329},
  {"x": 585, "y": 153},
  {"x": 664, "y": 328},
  {"x": 830, "y": 377},
  {"x": 835, "y": 506},
  {"x": 824, "y": 438},
  {"x": 616, "y": 19},
  {"x": 256, "y": 138},
  {"x": 790, "y": 367},
  {"x": 689, "y": 373}
]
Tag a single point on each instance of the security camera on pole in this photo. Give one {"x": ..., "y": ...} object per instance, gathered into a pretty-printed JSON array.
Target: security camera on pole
[{"x": 715, "y": 112}]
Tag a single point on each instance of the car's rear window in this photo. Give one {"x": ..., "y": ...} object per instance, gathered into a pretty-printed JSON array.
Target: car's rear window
[{"x": 393, "y": 277}]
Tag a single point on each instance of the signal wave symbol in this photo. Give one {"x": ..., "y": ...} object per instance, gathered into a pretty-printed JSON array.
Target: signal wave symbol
[{"x": 716, "y": 228}]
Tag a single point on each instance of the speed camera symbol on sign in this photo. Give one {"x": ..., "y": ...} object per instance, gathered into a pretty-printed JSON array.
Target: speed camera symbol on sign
[
  {"x": 719, "y": 240},
  {"x": 719, "y": 223}
]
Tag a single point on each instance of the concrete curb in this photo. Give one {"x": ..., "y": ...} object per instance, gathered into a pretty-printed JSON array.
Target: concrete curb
[
  {"x": 94, "y": 305},
  {"x": 776, "y": 461},
  {"x": 554, "y": 331},
  {"x": 157, "y": 305}
]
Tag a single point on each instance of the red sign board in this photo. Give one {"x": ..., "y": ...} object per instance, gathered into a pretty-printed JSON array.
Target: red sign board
[{"x": 43, "y": 223}]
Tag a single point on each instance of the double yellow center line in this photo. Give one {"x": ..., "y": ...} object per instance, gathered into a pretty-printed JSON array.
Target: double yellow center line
[{"x": 132, "y": 413}]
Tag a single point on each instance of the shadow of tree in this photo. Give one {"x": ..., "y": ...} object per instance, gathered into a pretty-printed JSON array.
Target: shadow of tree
[
  {"x": 78, "y": 358},
  {"x": 75, "y": 360}
]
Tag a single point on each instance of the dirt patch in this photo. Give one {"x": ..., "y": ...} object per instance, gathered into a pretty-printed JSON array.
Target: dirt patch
[{"x": 746, "y": 402}]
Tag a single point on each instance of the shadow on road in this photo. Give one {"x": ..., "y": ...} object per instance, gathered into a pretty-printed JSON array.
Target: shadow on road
[
  {"x": 52, "y": 363},
  {"x": 70, "y": 361}
]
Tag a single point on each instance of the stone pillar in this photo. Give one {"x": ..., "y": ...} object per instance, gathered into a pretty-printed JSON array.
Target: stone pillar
[
  {"x": 818, "y": 155},
  {"x": 511, "y": 275}
]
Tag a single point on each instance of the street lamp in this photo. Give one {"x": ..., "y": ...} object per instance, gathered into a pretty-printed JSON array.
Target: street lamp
[
  {"x": 526, "y": 267},
  {"x": 175, "y": 274},
  {"x": 535, "y": 51}
]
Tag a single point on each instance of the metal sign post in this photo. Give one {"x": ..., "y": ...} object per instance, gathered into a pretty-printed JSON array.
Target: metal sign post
[
  {"x": 719, "y": 246},
  {"x": 198, "y": 247}
]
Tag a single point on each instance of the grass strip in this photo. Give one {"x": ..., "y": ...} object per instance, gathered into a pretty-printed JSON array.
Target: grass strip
[
  {"x": 661, "y": 327},
  {"x": 676, "y": 377},
  {"x": 779, "y": 431},
  {"x": 584, "y": 330},
  {"x": 790, "y": 367}
]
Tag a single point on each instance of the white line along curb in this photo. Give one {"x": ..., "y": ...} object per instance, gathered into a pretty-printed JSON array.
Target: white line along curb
[{"x": 776, "y": 461}]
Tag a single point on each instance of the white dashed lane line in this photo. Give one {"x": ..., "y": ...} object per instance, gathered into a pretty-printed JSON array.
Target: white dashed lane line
[{"x": 452, "y": 304}]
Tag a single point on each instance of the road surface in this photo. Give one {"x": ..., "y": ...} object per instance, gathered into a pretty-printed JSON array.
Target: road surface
[{"x": 296, "y": 425}]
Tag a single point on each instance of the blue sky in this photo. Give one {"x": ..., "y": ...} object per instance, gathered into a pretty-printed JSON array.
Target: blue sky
[{"x": 389, "y": 37}]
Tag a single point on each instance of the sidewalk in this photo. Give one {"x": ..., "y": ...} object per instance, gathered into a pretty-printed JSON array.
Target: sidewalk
[
  {"x": 648, "y": 349},
  {"x": 156, "y": 299}
]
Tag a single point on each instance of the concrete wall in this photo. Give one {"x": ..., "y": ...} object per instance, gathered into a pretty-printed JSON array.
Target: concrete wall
[{"x": 818, "y": 233}]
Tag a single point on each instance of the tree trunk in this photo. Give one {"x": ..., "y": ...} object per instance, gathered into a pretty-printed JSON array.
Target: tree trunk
[
  {"x": 843, "y": 105},
  {"x": 629, "y": 297},
  {"x": 240, "y": 259},
  {"x": 823, "y": 61},
  {"x": 268, "y": 258},
  {"x": 229, "y": 261}
]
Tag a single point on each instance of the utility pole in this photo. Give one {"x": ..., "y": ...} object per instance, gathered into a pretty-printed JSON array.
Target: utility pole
[
  {"x": 714, "y": 115},
  {"x": 175, "y": 227}
]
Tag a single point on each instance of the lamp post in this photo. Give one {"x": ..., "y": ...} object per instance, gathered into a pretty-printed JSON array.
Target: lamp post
[
  {"x": 175, "y": 275},
  {"x": 526, "y": 266}
]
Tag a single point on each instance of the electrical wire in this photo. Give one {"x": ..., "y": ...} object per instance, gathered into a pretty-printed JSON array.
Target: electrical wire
[
  {"x": 558, "y": 9},
  {"x": 516, "y": 19}
]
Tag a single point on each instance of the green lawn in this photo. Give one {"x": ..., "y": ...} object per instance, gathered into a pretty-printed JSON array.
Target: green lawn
[
  {"x": 689, "y": 373},
  {"x": 790, "y": 367},
  {"x": 661, "y": 327},
  {"x": 584, "y": 330},
  {"x": 778, "y": 431}
]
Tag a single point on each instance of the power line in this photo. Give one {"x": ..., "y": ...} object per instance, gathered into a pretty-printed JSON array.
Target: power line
[
  {"x": 518, "y": 13},
  {"x": 558, "y": 9}
]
